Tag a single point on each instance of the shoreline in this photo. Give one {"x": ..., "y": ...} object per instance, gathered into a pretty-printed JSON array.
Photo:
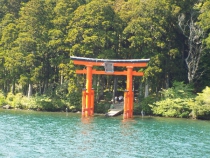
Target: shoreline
[{"x": 97, "y": 114}]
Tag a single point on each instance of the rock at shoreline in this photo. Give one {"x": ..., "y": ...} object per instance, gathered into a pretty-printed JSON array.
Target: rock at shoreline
[{"x": 6, "y": 107}]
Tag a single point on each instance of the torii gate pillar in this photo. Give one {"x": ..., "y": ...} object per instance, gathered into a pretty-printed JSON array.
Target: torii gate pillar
[
  {"x": 88, "y": 110},
  {"x": 88, "y": 93},
  {"x": 128, "y": 95}
]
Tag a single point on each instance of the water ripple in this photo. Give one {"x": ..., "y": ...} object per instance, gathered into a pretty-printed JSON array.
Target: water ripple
[{"x": 26, "y": 134}]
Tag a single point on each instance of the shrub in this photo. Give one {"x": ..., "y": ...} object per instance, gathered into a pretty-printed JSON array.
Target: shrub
[
  {"x": 20, "y": 101},
  {"x": 74, "y": 101},
  {"x": 201, "y": 106},
  {"x": 175, "y": 101},
  {"x": 172, "y": 107},
  {"x": 28, "y": 103},
  {"x": 102, "y": 107},
  {"x": 2, "y": 99},
  {"x": 49, "y": 104},
  {"x": 10, "y": 99},
  {"x": 143, "y": 105}
]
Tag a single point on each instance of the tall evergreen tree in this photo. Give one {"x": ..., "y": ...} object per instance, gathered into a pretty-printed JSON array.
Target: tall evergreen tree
[
  {"x": 11, "y": 60},
  {"x": 32, "y": 41},
  {"x": 63, "y": 13},
  {"x": 94, "y": 31}
]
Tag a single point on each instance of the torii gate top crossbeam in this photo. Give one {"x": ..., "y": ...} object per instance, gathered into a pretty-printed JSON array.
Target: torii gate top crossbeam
[
  {"x": 119, "y": 62},
  {"x": 88, "y": 94}
]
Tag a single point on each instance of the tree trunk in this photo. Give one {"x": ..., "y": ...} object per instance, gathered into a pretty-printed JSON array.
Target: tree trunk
[
  {"x": 195, "y": 36},
  {"x": 13, "y": 86},
  {"x": 114, "y": 89},
  {"x": 30, "y": 90},
  {"x": 100, "y": 88},
  {"x": 167, "y": 81},
  {"x": 140, "y": 89},
  {"x": 6, "y": 87},
  {"x": 40, "y": 88},
  {"x": 61, "y": 79},
  {"x": 146, "y": 94},
  {"x": 97, "y": 88},
  {"x": 45, "y": 86}
]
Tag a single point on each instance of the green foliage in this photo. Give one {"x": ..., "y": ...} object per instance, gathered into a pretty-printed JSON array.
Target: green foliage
[
  {"x": 36, "y": 38},
  {"x": 20, "y": 101},
  {"x": 102, "y": 107},
  {"x": 204, "y": 16},
  {"x": 74, "y": 96},
  {"x": 34, "y": 103},
  {"x": 172, "y": 107},
  {"x": 201, "y": 106},
  {"x": 175, "y": 101},
  {"x": 204, "y": 97},
  {"x": 2, "y": 99},
  {"x": 28, "y": 103},
  {"x": 93, "y": 30},
  {"x": 107, "y": 96},
  {"x": 143, "y": 105},
  {"x": 49, "y": 104},
  {"x": 74, "y": 101},
  {"x": 10, "y": 98},
  {"x": 44, "y": 103}
]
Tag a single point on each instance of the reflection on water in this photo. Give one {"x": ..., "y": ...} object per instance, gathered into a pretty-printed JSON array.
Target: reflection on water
[
  {"x": 41, "y": 134},
  {"x": 87, "y": 120}
]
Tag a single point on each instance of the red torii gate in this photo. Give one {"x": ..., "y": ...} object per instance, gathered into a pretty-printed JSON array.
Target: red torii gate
[{"x": 88, "y": 93}]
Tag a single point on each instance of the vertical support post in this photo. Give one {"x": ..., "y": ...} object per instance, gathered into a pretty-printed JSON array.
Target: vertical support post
[
  {"x": 125, "y": 114},
  {"x": 131, "y": 107},
  {"x": 83, "y": 101},
  {"x": 129, "y": 87},
  {"x": 92, "y": 102},
  {"x": 88, "y": 90}
]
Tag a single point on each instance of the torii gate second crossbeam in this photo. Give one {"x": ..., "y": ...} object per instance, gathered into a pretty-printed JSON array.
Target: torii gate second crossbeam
[{"x": 88, "y": 93}]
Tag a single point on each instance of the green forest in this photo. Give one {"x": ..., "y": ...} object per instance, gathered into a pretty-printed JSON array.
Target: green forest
[{"x": 37, "y": 38}]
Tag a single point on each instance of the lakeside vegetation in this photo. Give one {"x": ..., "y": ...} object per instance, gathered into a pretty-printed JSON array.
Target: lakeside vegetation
[{"x": 37, "y": 38}]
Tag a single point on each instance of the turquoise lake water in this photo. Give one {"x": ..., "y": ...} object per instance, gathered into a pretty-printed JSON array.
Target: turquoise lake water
[{"x": 25, "y": 134}]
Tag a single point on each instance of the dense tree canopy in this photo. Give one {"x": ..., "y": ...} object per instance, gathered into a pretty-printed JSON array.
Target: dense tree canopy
[{"x": 37, "y": 37}]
